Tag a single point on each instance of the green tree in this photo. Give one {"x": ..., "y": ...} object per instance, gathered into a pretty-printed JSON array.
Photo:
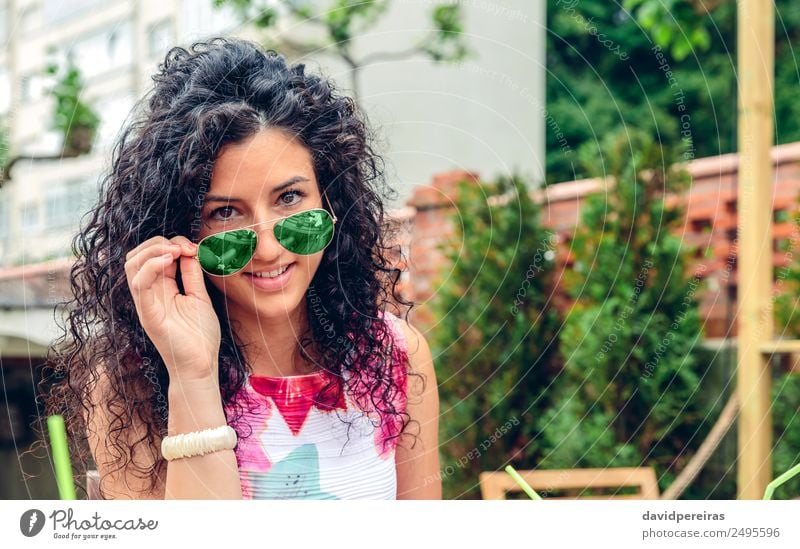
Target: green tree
[
  {"x": 608, "y": 69},
  {"x": 338, "y": 24},
  {"x": 676, "y": 25},
  {"x": 73, "y": 117},
  {"x": 629, "y": 392},
  {"x": 786, "y": 386},
  {"x": 786, "y": 417},
  {"x": 680, "y": 26},
  {"x": 495, "y": 340}
]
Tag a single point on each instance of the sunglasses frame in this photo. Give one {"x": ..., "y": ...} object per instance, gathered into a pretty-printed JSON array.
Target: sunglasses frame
[{"x": 330, "y": 213}]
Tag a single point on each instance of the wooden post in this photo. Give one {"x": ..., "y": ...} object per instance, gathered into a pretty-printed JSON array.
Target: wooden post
[{"x": 756, "y": 29}]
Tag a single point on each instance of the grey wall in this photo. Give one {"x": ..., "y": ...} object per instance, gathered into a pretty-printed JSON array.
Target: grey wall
[{"x": 482, "y": 115}]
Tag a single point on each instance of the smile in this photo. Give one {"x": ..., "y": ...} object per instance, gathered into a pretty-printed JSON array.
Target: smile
[
  {"x": 272, "y": 274},
  {"x": 271, "y": 280}
]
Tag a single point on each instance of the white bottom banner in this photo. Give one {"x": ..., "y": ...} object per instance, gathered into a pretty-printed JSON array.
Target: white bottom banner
[{"x": 389, "y": 524}]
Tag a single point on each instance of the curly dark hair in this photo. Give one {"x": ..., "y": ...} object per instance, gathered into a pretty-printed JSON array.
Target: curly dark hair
[{"x": 218, "y": 92}]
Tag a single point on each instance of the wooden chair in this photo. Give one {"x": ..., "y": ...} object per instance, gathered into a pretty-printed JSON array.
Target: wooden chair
[{"x": 495, "y": 485}]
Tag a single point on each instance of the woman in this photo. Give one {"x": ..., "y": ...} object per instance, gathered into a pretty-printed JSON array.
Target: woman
[{"x": 231, "y": 288}]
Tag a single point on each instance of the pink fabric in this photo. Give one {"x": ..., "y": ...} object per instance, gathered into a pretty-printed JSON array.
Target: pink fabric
[
  {"x": 293, "y": 400},
  {"x": 390, "y": 425}
]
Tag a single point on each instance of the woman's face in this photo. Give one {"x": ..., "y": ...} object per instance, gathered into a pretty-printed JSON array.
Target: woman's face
[{"x": 267, "y": 176}]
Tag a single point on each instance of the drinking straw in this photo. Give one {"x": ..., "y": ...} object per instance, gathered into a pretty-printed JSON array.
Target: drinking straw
[
  {"x": 785, "y": 477},
  {"x": 63, "y": 467},
  {"x": 522, "y": 484}
]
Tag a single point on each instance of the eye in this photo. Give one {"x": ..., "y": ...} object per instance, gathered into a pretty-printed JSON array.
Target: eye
[
  {"x": 222, "y": 213},
  {"x": 291, "y": 197}
]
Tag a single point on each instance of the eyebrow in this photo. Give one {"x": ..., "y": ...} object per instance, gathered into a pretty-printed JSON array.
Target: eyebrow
[{"x": 288, "y": 183}]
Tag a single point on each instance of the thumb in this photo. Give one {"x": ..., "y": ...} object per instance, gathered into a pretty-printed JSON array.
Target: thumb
[{"x": 194, "y": 283}]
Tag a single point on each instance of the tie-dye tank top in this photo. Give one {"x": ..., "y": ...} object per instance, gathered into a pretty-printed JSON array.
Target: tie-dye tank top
[{"x": 328, "y": 448}]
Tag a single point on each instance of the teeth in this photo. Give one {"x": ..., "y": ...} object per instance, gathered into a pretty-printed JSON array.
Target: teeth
[{"x": 272, "y": 274}]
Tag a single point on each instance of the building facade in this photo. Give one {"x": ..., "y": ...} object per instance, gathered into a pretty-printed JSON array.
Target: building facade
[{"x": 432, "y": 118}]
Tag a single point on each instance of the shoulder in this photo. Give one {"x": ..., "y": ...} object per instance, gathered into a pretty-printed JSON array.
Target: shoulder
[
  {"x": 414, "y": 343},
  {"x": 417, "y": 455}
]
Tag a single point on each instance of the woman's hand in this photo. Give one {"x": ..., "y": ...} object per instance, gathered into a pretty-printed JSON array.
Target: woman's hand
[{"x": 184, "y": 328}]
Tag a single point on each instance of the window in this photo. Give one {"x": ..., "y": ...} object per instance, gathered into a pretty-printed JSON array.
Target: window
[
  {"x": 201, "y": 19},
  {"x": 160, "y": 36},
  {"x": 58, "y": 211},
  {"x": 113, "y": 109},
  {"x": 4, "y": 228},
  {"x": 32, "y": 86},
  {"x": 49, "y": 141},
  {"x": 56, "y": 11},
  {"x": 100, "y": 52},
  {"x": 4, "y": 213},
  {"x": 44, "y": 142},
  {"x": 5, "y": 92},
  {"x": 119, "y": 46},
  {"x": 29, "y": 18},
  {"x": 30, "y": 216},
  {"x": 66, "y": 203},
  {"x": 3, "y": 24},
  {"x": 25, "y": 87}
]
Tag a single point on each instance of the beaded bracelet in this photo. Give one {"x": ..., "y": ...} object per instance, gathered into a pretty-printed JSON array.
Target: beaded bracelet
[{"x": 198, "y": 443}]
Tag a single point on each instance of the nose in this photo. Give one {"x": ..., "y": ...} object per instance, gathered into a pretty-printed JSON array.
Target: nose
[{"x": 267, "y": 248}]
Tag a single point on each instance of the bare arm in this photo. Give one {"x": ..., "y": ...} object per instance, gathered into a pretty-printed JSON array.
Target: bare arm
[
  {"x": 194, "y": 405},
  {"x": 417, "y": 462},
  {"x": 185, "y": 330}
]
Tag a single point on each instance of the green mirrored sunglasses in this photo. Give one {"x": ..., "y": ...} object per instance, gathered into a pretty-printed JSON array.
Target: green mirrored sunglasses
[{"x": 303, "y": 233}]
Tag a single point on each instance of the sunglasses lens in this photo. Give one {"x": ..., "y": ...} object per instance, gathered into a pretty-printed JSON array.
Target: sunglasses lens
[
  {"x": 228, "y": 252},
  {"x": 305, "y": 233}
]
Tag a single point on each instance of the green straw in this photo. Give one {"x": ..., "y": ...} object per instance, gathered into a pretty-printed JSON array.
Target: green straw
[
  {"x": 63, "y": 467},
  {"x": 522, "y": 484},
  {"x": 772, "y": 486}
]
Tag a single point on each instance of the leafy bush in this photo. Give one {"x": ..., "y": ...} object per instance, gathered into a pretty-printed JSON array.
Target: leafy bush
[
  {"x": 786, "y": 421},
  {"x": 786, "y": 387},
  {"x": 495, "y": 341},
  {"x": 629, "y": 384},
  {"x": 604, "y": 75},
  {"x": 72, "y": 116},
  {"x": 630, "y": 387}
]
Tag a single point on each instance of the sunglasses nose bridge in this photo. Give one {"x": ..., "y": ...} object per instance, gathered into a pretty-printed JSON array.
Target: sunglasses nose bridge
[{"x": 267, "y": 245}]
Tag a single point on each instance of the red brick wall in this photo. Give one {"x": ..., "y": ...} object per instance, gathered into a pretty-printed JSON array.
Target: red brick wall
[{"x": 709, "y": 220}]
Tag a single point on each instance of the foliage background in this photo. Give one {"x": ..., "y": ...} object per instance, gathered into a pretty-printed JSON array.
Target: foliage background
[
  {"x": 496, "y": 344},
  {"x": 591, "y": 91}
]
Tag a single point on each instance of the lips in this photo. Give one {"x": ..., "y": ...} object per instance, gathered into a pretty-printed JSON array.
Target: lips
[
  {"x": 271, "y": 284},
  {"x": 271, "y": 274}
]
